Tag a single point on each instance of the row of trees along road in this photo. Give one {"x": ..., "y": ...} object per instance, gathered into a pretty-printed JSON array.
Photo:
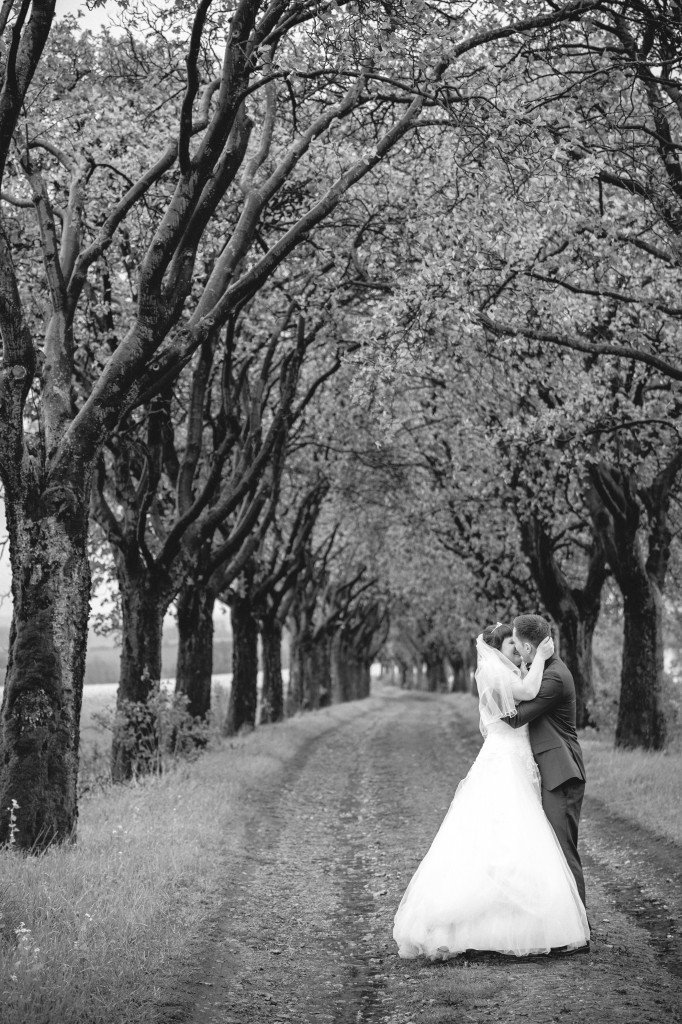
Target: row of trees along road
[
  {"x": 229, "y": 225},
  {"x": 540, "y": 329}
]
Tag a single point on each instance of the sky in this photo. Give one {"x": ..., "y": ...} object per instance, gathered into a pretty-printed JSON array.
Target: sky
[
  {"x": 5, "y": 578},
  {"x": 90, "y": 19}
]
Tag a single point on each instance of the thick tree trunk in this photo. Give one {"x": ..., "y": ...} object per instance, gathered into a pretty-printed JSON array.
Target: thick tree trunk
[
  {"x": 144, "y": 602},
  {"x": 641, "y": 721},
  {"x": 617, "y": 513},
  {"x": 575, "y": 610},
  {"x": 194, "y": 668},
  {"x": 576, "y": 633},
  {"x": 364, "y": 678},
  {"x": 241, "y": 708},
  {"x": 272, "y": 693},
  {"x": 350, "y": 671},
  {"x": 310, "y": 679},
  {"x": 436, "y": 679},
  {"x": 41, "y": 706}
]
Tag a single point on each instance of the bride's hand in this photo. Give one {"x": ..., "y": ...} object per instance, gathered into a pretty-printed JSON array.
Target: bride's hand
[{"x": 546, "y": 648}]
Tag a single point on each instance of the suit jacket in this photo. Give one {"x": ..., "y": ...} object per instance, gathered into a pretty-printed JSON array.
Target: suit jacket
[{"x": 551, "y": 726}]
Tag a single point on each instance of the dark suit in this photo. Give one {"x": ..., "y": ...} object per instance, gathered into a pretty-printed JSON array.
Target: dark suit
[{"x": 554, "y": 742}]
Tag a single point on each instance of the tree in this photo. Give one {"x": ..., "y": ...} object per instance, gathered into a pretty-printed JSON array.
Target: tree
[
  {"x": 239, "y": 135},
  {"x": 603, "y": 281}
]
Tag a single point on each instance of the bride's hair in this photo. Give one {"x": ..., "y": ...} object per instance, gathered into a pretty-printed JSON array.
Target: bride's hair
[{"x": 494, "y": 635}]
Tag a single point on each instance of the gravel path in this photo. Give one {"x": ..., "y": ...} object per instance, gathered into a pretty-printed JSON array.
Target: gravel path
[{"x": 303, "y": 930}]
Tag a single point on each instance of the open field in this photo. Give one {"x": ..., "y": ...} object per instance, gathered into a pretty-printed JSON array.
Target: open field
[{"x": 100, "y": 701}]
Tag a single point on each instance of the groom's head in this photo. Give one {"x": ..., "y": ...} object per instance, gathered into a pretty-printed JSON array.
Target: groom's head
[{"x": 529, "y": 632}]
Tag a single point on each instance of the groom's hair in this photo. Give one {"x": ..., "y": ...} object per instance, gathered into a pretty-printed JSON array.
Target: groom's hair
[{"x": 532, "y": 629}]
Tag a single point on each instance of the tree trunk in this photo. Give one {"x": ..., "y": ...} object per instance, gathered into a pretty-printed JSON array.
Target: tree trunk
[
  {"x": 460, "y": 683},
  {"x": 241, "y": 708},
  {"x": 617, "y": 514},
  {"x": 472, "y": 663},
  {"x": 272, "y": 694},
  {"x": 576, "y": 633},
  {"x": 144, "y": 602},
  {"x": 194, "y": 669},
  {"x": 311, "y": 682},
  {"x": 300, "y": 642},
  {"x": 641, "y": 721},
  {"x": 341, "y": 676},
  {"x": 575, "y": 610},
  {"x": 350, "y": 670},
  {"x": 436, "y": 680},
  {"x": 319, "y": 676},
  {"x": 39, "y": 731},
  {"x": 364, "y": 678}
]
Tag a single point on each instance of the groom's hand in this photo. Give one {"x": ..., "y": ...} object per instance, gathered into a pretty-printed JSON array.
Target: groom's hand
[{"x": 546, "y": 648}]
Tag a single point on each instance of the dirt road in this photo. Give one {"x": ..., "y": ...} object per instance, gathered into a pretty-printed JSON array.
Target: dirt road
[{"x": 303, "y": 932}]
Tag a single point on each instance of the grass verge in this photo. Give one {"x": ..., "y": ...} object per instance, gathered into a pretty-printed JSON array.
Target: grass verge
[
  {"x": 636, "y": 784},
  {"x": 86, "y": 931}
]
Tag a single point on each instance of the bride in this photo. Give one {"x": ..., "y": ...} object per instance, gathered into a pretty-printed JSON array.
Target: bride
[{"x": 495, "y": 877}]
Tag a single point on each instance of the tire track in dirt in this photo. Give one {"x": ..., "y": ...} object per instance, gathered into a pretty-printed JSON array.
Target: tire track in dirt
[
  {"x": 287, "y": 944},
  {"x": 303, "y": 933}
]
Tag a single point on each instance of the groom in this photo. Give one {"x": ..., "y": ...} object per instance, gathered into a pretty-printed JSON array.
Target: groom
[{"x": 554, "y": 742}]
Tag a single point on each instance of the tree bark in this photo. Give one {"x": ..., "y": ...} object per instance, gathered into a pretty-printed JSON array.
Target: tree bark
[
  {"x": 39, "y": 732},
  {"x": 272, "y": 693},
  {"x": 576, "y": 633},
  {"x": 641, "y": 720},
  {"x": 242, "y": 705},
  {"x": 319, "y": 676},
  {"x": 311, "y": 674},
  {"x": 194, "y": 668},
  {"x": 300, "y": 641},
  {"x": 341, "y": 675},
  {"x": 460, "y": 683},
  {"x": 617, "y": 514},
  {"x": 351, "y": 663},
  {"x": 436, "y": 679},
  {"x": 575, "y": 610},
  {"x": 402, "y": 669},
  {"x": 144, "y": 602},
  {"x": 364, "y": 678}
]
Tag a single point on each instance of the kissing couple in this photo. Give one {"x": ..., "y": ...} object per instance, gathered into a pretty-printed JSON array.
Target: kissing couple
[{"x": 503, "y": 873}]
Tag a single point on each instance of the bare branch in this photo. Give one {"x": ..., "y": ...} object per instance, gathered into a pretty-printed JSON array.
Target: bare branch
[{"x": 192, "y": 85}]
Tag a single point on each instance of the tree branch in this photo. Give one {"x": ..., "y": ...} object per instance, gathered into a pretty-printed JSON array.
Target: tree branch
[{"x": 497, "y": 328}]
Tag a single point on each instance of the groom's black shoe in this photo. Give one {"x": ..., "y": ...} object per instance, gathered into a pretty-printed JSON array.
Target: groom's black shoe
[{"x": 569, "y": 951}]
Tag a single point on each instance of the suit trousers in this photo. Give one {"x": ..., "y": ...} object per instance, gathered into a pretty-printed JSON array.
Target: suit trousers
[{"x": 562, "y": 809}]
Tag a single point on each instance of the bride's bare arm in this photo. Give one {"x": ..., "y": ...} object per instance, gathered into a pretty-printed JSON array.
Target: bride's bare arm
[{"x": 527, "y": 688}]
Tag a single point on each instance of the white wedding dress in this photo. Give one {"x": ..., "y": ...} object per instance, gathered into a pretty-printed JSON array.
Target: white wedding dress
[{"x": 495, "y": 877}]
